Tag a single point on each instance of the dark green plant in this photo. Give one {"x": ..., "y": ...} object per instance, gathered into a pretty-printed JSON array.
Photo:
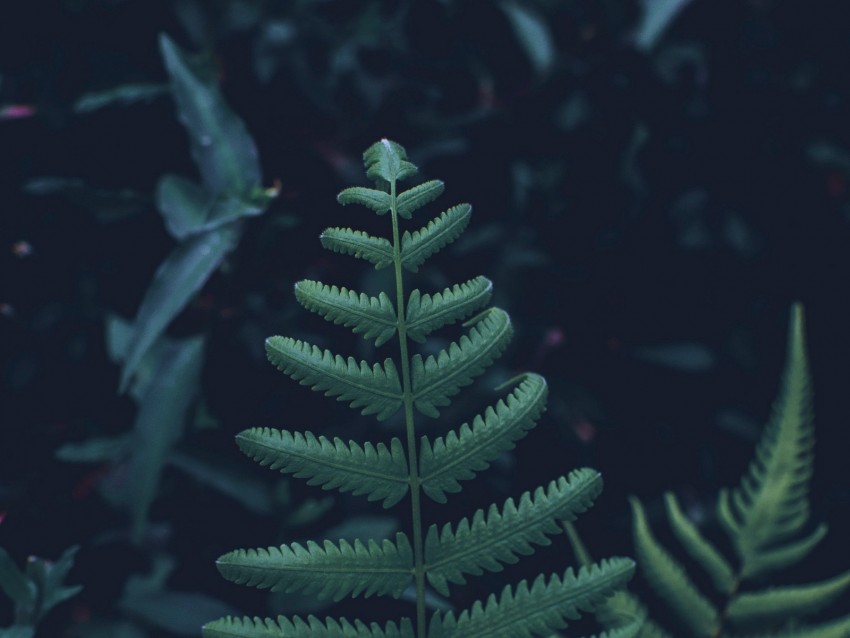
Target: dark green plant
[
  {"x": 766, "y": 518},
  {"x": 35, "y": 590},
  {"x": 390, "y": 472}
]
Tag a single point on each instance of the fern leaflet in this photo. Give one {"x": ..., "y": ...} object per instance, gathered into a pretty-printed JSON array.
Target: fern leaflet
[
  {"x": 523, "y": 611},
  {"x": 311, "y": 627},
  {"x": 386, "y": 161},
  {"x": 489, "y": 541},
  {"x": 359, "y": 244},
  {"x": 377, "y": 472},
  {"x": 461, "y": 455},
  {"x": 416, "y": 247},
  {"x": 437, "y": 379},
  {"x": 426, "y": 313},
  {"x": 372, "y": 316},
  {"x": 415, "y": 198},
  {"x": 670, "y": 580},
  {"x": 328, "y": 570},
  {"x": 780, "y": 603},
  {"x": 699, "y": 548},
  {"x": 378, "y": 201},
  {"x": 377, "y": 389}
]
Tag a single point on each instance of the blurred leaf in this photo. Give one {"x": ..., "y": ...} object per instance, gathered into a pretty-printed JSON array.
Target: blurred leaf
[
  {"x": 310, "y": 511},
  {"x": 223, "y": 150},
  {"x": 657, "y": 16},
  {"x": 96, "y": 450},
  {"x": 120, "y": 95},
  {"x": 159, "y": 422},
  {"x": 692, "y": 357},
  {"x": 252, "y": 493},
  {"x": 188, "y": 209},
  {"x": 179, "y": 277},
  {"x": 14, "y": 583},
  {"x": 533, "y": 35},
  {"x": 107, "y": 206},
  {"x": 17, "y": 631},
  {"x": 182, "y": 613},
  {"x": 829, "y": 155},
  {"x": 52, "y": 590}
]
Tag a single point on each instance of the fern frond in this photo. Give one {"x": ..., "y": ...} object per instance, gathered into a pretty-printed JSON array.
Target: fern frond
[
  {"x": 386, "y": 161},
  {"x": 328, "y": 570},
  {"x": 490, "y": 541},
  {"x": 777, "y": 604},
  {"x": 416, "y": 247},
  {"x": 437, "y": 379},
  {"x": 377, "y": 389},
  {"x": 426, "y": 313},
  {"x": 462, "y": 454},
  {"x": 372, "y": 316},
  {"x": 375, "y": 471},
  {"x": 296, "y": 627},
  {"x": 362, "y": 245},
  {"x": 669, "y": 579},
  {"x": 523, "y": 611},
  {"x": 771, "y": 504},
  {"x": 700, "y": 549},
  {"x": 415, "y": 198},
  {"x": 376, "y": 200}
]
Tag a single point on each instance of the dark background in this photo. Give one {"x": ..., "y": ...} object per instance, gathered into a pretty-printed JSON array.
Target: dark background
[{"x": 647, "y": 211}]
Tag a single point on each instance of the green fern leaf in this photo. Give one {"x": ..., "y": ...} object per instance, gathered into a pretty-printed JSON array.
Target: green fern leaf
[
  {"x": 461, "y": 455},
  {"x": 499, "y": 537},
  {"x": 296, "y": 627},
  {"x": 415, "y": 198},
  {"x": 523, "y": 611},
  {"x": 622, "y": 610},
  {"x": 377, "y": 389},
  {"x": 699, "y": 548},
  {"x": 437, "y": 379},
  {"x": 328, "y": 570},
  {"x": 785, "y": 603},
  {"x": 426, "y": 313},
  {"x": 362, "y": 245},
  {"x": 377, "y": 472},
  {"x": 372, "y": 316},
  {"x": 378, "y": 201},
  {"x": 771, "y": 504},
  {"x": 669, "y": 579},
  {"x": 387, "y": 162},
  {"x": 416, "y": 247}
]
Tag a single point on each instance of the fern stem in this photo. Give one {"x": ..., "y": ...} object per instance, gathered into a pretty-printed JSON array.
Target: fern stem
[
  {"x": 412, "y": 460},
  {"x": 730, "y": 597}
]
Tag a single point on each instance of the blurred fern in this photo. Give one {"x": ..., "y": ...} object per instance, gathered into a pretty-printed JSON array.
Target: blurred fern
[
  {"x": 439, "y": 557},
  {"x": 766, "y": 518}
]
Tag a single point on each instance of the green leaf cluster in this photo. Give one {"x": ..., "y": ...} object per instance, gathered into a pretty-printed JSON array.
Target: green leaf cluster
[
  {"x": 35, "y": 590},
  {"x": 421, "y": 558},
  {"x": 766, "y": 519}
]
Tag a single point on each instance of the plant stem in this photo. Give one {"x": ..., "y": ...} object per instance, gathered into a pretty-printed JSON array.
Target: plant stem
[
  {"x": 412, "y": 460},
  {"x": 730, "y": 597}
]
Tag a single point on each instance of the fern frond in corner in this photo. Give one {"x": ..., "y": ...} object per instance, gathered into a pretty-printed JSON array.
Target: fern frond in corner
[
  {"x": 392, "y": 472},
  {"x": 766, "y": 518}
]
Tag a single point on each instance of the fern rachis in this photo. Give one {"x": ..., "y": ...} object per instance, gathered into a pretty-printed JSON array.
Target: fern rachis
[{"x": 403, "y": 469}]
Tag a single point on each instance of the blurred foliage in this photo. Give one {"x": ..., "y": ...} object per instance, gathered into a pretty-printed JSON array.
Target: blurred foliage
[{"x": 655, "y": 181}]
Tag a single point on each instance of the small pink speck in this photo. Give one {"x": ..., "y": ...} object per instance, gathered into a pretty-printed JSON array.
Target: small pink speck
[
  {"x": 554, "y": 337},
  {"x": 22, "y": 248},
  {"x": 584, "y": 430},
  {"x": 16, "y": 111},
  {"x": 2, "y": 516},
  {"x": 7, "y": 310}
]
